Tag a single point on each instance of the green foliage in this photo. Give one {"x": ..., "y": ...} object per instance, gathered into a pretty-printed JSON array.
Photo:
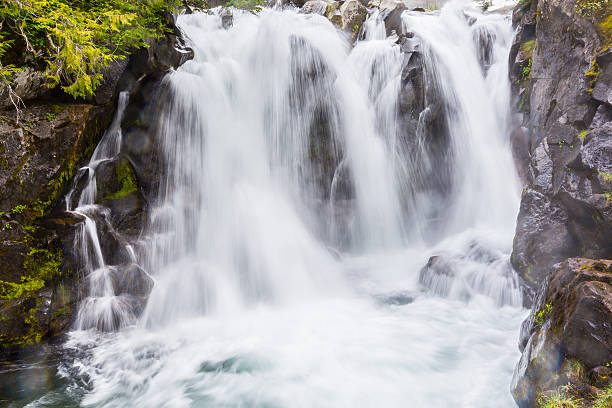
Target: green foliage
[
  {"x": 78, "y": 39},
  {"x": 527, "y": 70},
  {"x": 18, "y": 209},
  {"x": 485, "y": 4},
  {"x": 253, "y": 6},
  {"x": 607, "y": 177},
  {"x": 604, "y": 399},
  {"x": 558, "y": 399},
  {"x": 542, "y": 314}
]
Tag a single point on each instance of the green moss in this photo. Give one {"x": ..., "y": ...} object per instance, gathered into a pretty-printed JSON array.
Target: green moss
[
  {"x": 11, "y": 290},
  {"x": 355, "y": 31},
  {"x": 607, "y": 177},
  {"x": 527, "y": 70},
  {"x": 595, "y": 9},
  {"x": 18, "y": 209},
  {"x": 527, "y": 48},
  {"x": 604, "y": 399},
  {"x": 583, "y": 134},
  {"x": 57, "y": 109},
  {"x": 542, "y": 315},
  {"x": 43, "y": 263},
  {"x": 127, "y": 178},
  {"x": 39, "y": 266},
  {"x": 606, "y": 31},
  {"x": 593, "y": 73}
]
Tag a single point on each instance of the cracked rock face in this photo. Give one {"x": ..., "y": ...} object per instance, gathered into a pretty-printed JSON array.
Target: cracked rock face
[{"x": 566, "y": 208}]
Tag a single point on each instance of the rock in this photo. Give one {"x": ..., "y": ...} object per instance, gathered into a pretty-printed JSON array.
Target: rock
[
  {"x": 117, "y": 189},
  {"x": 321, "y": 7},
  {"x": 28, "y": 84},
  {"x": 391, "y": 13},
  {"x": 601, "y": 376},
  {"x": 568, "y": 333},
  {"x": 39, "y": 157},
  {"x": 132, "y": 280},
  {"x": 437, "y": 275},
  {"x": 603, "y": 87},
  {"x": 542, "y": 237},
  {"x": 349, "y": 17},
  {"x": 227, "y": 18},
  {"x": 565, "y": 131}
]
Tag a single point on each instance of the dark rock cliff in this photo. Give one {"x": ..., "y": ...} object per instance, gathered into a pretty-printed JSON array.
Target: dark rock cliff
[
  {"x": 561, "y": 72},
  {"x": 40, "y": 153},
  {"x": 561, "y": 68}
]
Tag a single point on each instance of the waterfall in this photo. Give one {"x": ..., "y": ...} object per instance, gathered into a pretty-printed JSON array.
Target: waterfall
[{"x": 319, "y": 237}]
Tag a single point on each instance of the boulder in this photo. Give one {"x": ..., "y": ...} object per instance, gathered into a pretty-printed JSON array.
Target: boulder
[
  {"x": 542, "y": 237},
  {"x": 567, "y": 338},
  {"x": 349, "y": 17},
  {"x": 321, "y": 7},
  {"x": 28, "y": 84},
  {"x": 391, "y": 13}
]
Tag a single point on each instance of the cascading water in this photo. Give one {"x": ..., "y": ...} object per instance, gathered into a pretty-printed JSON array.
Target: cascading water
[{"x": 292, "y": 224}]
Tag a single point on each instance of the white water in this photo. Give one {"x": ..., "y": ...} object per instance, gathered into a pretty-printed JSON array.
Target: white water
[{"x": 271, "y": 291}]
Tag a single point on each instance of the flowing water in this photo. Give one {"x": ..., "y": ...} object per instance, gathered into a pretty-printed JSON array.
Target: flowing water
[{"x": 288, "y": 239}]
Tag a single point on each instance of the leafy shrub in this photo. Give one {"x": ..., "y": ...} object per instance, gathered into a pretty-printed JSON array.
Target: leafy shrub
[
  {"x": 604, "y": 399},
  {"x": 558, "y": 399},
  {"x": 76, "y": 39}
]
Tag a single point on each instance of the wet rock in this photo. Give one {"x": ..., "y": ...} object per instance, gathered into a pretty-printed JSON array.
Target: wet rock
[
  {"x": 566, "y": 125},
  {"x": 391, "y": 13},
  {"x": 321, "y": 7},
  {"x": 38, "y": 157},
  {"x": 132, "y": 280},
  {"x": 117, "y": 189},
  {"x": 396, "y": 299},
  {"x": 568, "y": 333},
  {"x": 542, "y": 237},
  {"x": 227, "y": 18},
  {"x": 437, "y": 275}
]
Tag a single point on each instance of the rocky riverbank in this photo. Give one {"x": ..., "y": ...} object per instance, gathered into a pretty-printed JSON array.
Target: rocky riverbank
[
  {"x": 561, "y": 72},
  {"x": 41, "y": 150}
]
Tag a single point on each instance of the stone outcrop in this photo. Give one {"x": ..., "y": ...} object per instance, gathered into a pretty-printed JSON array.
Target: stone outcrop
[
  {"x": 348, "y": 15},
  {"x": 561, "y": 74},
  {"x": 40, "y": 154},
  {"x": 560, "y": 69},
  {"x": 567, "y": 339}
]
